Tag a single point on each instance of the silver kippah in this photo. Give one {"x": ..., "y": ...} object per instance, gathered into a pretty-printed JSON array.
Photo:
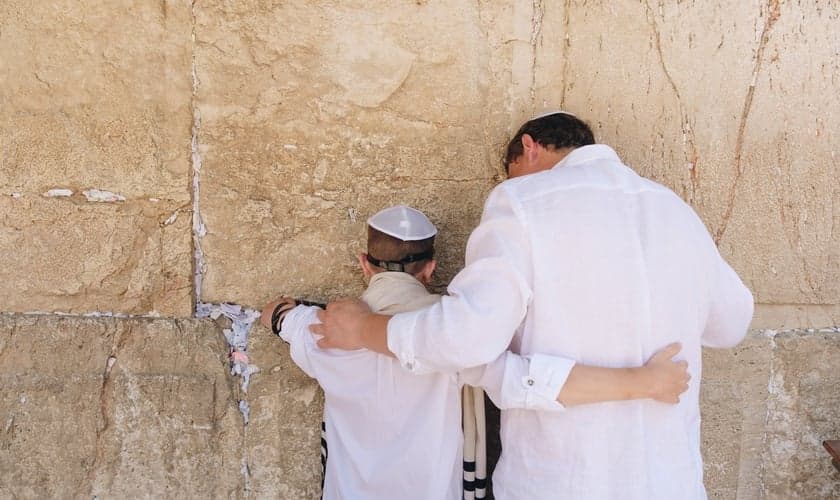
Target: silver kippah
[{"x": 403, "y": 223}]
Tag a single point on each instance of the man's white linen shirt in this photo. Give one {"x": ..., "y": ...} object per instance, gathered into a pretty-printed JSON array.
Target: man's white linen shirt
[
  {"x": 394, "y": 434},
  {"x": 591, "y": 262}
]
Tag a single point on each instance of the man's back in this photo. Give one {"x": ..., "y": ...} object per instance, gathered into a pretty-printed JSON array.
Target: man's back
[{"x": 621, "y": 267}]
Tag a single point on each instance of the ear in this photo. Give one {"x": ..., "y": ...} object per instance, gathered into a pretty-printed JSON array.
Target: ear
[
  {"x": 365, "y": 265},
  {"x": 425, "y": 274},
  {"x": 530, "y": 148}
]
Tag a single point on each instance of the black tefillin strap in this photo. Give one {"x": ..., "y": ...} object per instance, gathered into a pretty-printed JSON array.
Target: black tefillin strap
[
  {"x": 277, "y": 321},
  {"x": 399, "y": 265}
]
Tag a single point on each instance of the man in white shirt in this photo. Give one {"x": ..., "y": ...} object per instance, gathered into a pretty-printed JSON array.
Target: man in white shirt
[
  {"x": 390, "y": 433},
  {"x": 578, "y": 257}
]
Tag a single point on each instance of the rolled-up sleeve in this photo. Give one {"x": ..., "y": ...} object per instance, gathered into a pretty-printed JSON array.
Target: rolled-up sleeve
[
  {"x": 515, "y": 381},
  {"x": 487, "y": 300}
]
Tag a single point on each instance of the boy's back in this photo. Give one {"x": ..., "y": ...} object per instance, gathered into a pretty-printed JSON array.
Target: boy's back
[{"x": 390, "y": 434}]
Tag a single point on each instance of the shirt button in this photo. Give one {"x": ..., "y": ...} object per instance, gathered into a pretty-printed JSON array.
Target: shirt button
[
  {"x": 409, "y": 365},
  {"x": 529, "y": 381}
]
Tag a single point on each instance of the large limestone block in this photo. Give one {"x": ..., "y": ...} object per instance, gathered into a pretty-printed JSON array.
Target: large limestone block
[
  {"x": 283, "y": 435},
  {"x": 767, "y": 405},
  {"x": 728, "y": 103},
  {"x": 785, "y": 199},
  {"x": 116, "y": 408},
  {"x": 802, "y": 412},
  {"x": 314, "y": 116},
  {"x": 70, "y": 255},
  {"x": 95, "y": 96}
]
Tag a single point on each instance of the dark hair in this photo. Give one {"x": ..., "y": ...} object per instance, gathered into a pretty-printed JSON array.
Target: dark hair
[
  {"x": 557, "y": 130},
  {"x": 383, "y": 247}
]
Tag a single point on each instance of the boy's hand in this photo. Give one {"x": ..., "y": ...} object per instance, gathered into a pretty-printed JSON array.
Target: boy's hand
[
  {"x": 269, "y": 308},
  {"x": 666, "y": 378}
]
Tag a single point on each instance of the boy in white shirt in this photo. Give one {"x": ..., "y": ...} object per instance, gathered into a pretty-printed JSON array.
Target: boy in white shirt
[{"x": 393, "y": 434}]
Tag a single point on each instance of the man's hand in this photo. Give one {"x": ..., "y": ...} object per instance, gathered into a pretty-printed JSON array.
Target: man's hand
[
  {"x": 342, "y": 325},
  {"x": 268, "y": 310},
  {"x": 666, "y": 379}
]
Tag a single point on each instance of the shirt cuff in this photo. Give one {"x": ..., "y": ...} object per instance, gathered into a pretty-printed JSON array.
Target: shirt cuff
[
  {"x": 546, "y": 376},
  {"x": 291, "y": 322},
  {"x": 401, "y": 342}
]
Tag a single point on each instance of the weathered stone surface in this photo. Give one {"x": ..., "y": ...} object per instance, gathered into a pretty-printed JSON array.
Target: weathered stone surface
[
  {"x": 309, "y": 129},
  {"x": 70, "y": 255},
  {"x": 733, "y": 397},
  {"x": 95, "y": 96},
  {"x": 801, "y": 414},
  {"x": 160, "y": 420},
  {"x": 789, "y": 316},
  {"x": 729, "y": 104},
  {"x": 767, "y": 405},
  {"x": 284, "y": 432}
]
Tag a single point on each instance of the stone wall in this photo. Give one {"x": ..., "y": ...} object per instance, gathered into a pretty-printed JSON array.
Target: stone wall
[{"x": 156, "y": 156}]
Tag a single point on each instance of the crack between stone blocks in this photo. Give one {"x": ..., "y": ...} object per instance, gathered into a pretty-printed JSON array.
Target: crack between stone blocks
[
  {"x": 92, "y": 314},
  {"x": 489, "y": 157},
  {"x": 8, "y": 344},
  {"x": 773, "y": 14},
  {"x": 689, "y": 138},
  {"x": 199, "y": 230},
  {"x": 567, "y": 43},
  {"x": 793, "y": 236},
  {"x": 537, "y": 13},
  {"x": 106, "y": 401},
  {"x": 771, "y": 391}
]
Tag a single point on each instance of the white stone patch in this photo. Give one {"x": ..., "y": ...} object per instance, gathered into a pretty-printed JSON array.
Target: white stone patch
[
  {"x": 305, "y": 395},
  {"x": 15, "y": 195},
  {"x": 172, "y": 218},
  {"x": 58, "y": 193},
  {"x": 290, "y": 147},
  {"x": 100, "y": 196},
  {"x": 245, "y": 410}
]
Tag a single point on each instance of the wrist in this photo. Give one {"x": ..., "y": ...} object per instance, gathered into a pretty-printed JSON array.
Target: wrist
[
  {"x": 374, "y": 333},
  {"x": 644, "y": 386}
]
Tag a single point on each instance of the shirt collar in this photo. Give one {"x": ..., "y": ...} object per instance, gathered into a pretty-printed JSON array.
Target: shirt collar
[{"x": 586, "y": 154}]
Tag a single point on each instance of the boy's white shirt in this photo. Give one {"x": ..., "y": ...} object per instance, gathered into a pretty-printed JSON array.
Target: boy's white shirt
[{"x": 391, "y": 433}]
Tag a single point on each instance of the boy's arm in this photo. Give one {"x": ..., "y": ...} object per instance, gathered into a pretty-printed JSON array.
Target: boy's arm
[
  {"x": 543, "y": 382},
  {"x": 291, "y": 322}
]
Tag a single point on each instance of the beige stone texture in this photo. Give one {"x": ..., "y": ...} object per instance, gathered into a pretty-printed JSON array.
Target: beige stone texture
[
  {"x": 159, "y": 420},
  {"x": 69, "y": 255},
  {"x": 767, "y": 405},
  {"x": 801, "y": 414},
  {"x": 95, "y": 96},
  {"x": 728, "y": 103},
  {"x": 283, "y": 436},
  {"x": 298, "y": 120},
  {"x": 315, "y": 116},
  {"x": 733, "y": 396}
]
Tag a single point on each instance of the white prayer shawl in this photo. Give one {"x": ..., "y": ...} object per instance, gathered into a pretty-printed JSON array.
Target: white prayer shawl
[
  {"x": 604, "y": 267},
  {"x": 390, "y": 433},
  {"x": 475, "y": 443}
]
